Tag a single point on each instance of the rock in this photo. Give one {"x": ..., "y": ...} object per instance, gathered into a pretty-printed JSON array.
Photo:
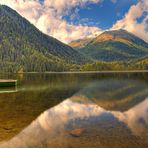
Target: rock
[{"x": 77, "y": 132}]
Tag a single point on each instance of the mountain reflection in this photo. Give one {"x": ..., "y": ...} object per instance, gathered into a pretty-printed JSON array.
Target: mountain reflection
[
  {"x": 104, "y": 113},
  {"x": 52, "y": 128}
]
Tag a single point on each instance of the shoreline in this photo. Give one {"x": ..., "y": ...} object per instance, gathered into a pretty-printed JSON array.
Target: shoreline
[{"x": 83, "y": 72}]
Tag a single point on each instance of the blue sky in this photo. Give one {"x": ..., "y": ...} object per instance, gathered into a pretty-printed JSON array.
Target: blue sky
[
  {"x": 102, "y": 15},
  {"x": 69, "y": 20}
]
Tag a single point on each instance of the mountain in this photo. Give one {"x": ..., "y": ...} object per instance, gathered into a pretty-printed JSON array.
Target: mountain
[
  {"x": 24, "y": 48},
  {"x": 80, "y": 43},
  {"x": 117, "y": 45}
]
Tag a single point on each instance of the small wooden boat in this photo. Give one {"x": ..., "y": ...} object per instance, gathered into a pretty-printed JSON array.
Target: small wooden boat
[{"x": 8, "y": 83}]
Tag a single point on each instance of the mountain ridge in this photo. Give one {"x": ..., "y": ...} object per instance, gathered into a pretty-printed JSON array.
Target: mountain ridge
[
  {"x": 21, "y": 42},
  {"x": 115, "y": 45},
  {"x": 23, "y": 48}
]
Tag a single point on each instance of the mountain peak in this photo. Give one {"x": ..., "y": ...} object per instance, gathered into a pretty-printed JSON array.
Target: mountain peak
[
  {"x": 118, "y": 35},
  {"x": 115, "y": 45},
  {"x": 4, "y": 7},
  {"x": 23, "y": 46},
  {"x": 116, "y": 31}
]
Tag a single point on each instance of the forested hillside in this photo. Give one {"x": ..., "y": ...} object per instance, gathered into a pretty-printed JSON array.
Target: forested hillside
[
  {"x": 138, "y": 64},
  {"x": 24, "y": 48},
  {"x": 117, "y": 45}
]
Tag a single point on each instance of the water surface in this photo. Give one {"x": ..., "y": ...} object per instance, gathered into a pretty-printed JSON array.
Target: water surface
[{"x": 75, "y": 110}]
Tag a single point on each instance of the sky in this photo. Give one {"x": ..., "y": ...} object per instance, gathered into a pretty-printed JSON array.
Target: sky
[{"x": 69, "y": 20}]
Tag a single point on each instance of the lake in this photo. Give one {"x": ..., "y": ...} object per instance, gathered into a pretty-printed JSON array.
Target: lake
[{"x": 71, "y": 110}]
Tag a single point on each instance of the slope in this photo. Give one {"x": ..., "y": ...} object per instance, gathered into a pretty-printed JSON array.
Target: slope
[
  {"x": 24, "y": 48},
  {"x": 117, "y": 45}
]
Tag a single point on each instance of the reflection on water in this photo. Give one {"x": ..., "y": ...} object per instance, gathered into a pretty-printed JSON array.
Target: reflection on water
[
  {"x": 116, "y": 94},
  {"x": 8, "y": 90},
  {"x": 53, "y": 127},
  {"x": 107, "y": 111}
]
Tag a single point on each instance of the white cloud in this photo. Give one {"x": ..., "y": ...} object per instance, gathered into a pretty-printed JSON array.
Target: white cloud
[
  {"x": 48, "y": 17},
  {"x": 130, "y": 21}
]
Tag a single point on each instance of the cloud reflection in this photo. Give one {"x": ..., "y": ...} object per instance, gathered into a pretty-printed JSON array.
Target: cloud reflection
[{"x": 55, "y": 122}]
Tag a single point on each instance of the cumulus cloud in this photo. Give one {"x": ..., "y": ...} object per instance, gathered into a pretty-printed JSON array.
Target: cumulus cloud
[
  {"x": 131, "y": 23},
  {"x": 48, "y": 17}
]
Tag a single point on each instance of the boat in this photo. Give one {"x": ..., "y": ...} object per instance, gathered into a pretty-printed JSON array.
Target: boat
[
  {"x": 8, "y": 90},
  {"x": 8, "y": 83}
]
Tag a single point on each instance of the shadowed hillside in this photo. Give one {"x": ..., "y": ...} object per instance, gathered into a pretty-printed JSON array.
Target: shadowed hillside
[{"x": 24, "y": 48}]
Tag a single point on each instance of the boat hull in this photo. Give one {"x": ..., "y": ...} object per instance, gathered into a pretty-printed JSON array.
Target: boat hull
[{"x": 8, "y": 83}]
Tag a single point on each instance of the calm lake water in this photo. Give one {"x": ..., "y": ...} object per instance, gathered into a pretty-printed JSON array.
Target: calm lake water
[{"x": 85, "y": 110}]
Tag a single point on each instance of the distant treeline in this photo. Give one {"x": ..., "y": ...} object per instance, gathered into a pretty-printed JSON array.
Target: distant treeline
[{"x": 141, "y": 64}]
